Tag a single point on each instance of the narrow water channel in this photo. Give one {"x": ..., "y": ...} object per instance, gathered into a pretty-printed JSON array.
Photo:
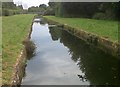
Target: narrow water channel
[{"x": 63, "y": 59}]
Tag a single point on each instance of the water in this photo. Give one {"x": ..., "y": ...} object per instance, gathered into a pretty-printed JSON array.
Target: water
[{"x": 63, "y": 59}]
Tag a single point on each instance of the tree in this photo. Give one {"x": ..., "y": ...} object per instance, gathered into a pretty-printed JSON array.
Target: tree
[
  {"x": 74, "y": 9},
  {"x": 33, "y": 9},
  {"x": 110, "y": 9},
  {"x": 20, "y": 7},
  {"x": 43, "y": 6},
  {"x": 8, "y": 5},
  {"x": 99, "y": 10}
]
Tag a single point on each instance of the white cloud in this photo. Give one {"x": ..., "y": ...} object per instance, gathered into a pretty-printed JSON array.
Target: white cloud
[{"x": 29, "y": 3}]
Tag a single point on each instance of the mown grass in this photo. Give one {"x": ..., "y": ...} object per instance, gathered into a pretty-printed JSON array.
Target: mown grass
[
  {"x": 104, "y": 28},
  {"x": 14, "y": 31}
]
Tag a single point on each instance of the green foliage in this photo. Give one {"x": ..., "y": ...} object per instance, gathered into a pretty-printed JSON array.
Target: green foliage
[
  {"x": 52, "y": 5},
  {"x": 9, "y": 8},
  {"x": 20, "y": 7},
  {"x": 108, "y": 15},
  {"x": 59, "y": 10},
  {"x": 110, "y": 9},
  {"x": 29, "y": 47},
  {"x": 41, "y": 8},
  {"x": 8, "y": 5},
  {"x": 98, "y": 10},
  {"x": 75, "y": 9},
  {"x": 8, "y": 12},
  {"x": 33, "y": 9},
  {"x": 99, "y": 16},
  {"x": 49, "y": 11},
  {"x": 5, "y": 12}
]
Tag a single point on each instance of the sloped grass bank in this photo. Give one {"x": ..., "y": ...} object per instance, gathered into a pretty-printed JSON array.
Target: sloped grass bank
[
  {"x": 103, "y": 28},
  {"x": 102, "y": 34},
  {"x": 14, "y": 30}
]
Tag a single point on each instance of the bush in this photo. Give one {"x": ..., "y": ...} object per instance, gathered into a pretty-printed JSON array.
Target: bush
[
  {"x": 99, "y": 16},
  {"x": 49, "y": 12},
  {"x": 5, "y": 12},
  {"x": 29, "y": 47},
  {"x": 104, "y": 16},
  {"x": 8, "y": 12}
]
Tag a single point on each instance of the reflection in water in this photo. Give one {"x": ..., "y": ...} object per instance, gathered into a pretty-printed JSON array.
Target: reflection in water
[
  {"x": 29, "y": 48},
  {"x": 43, "y": 21},
  {"x": 40, "y": 20},
  {"x": 63, "y": 59},
  {"x": 55, "y": 33},
  {"x": 99, "y": 68},
  {"x": 82, "y": 78},
  {"x": 51, "y": 64}
]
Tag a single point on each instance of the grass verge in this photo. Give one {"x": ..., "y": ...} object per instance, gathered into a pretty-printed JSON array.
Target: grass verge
[
  {"x": 14, "y": 30},
  {"x": 104, "y": 28}
]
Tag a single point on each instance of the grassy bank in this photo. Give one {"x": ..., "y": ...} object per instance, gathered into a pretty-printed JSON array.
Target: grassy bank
[
  {"x": 14, "y": 30},
  {"x": 107, "y": 29}
]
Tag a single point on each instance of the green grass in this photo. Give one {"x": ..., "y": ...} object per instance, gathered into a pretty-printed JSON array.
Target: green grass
[
  {"x": 14, "y": 30},
  {"x": 102, "y": 28}
]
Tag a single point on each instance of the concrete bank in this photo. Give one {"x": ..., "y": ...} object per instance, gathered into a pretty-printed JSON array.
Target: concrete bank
[{"x": 102, "y": 43}]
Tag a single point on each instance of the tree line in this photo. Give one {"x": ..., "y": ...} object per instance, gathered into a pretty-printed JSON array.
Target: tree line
[
  {"x": 96, "y": 10},
  {"x": 44, "y": 9},
  {"x": 9, "y": 8}
]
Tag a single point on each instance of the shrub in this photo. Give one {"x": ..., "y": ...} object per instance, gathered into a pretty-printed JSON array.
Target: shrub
[
  {"x": 49, "y": 12},
  {"x": 104, "y": 16},
  {"x": 29, "y": 47},
  {"x": 5, "y": 12},
  {"x": 99, "y": 16},
  {"x": 8, "y": 12}
]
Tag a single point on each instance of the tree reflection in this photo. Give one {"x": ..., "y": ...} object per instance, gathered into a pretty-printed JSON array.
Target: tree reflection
[
  {"x": 99, "y": 68},
  {"x": 55, "y": 33},
  {"x": 43, "y": 21}
]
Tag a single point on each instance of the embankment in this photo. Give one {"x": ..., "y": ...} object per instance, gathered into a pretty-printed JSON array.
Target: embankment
[
  {"x": 100, "y": 42},
  {"x": 14, "y": 30}
]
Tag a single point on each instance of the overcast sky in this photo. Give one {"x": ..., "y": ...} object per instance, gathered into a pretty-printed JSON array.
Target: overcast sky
[{"x": 29, "y": 3}]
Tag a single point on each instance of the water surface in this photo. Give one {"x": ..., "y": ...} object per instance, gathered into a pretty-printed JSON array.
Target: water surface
[{"x": 63, "y": 59}]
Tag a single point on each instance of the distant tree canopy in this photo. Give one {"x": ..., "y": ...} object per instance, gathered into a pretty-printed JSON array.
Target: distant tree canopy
[
  {"x": 98, "y": 10},
  {"x": 11, "y": 5},
  {"x": 20, "y": 7},
  {"x": 43, "y": 9},
  {"x": 9, "y": 8},
  {"x": 40, "y": 8},
  {"x": 8, "y": 5},
  {"x": 43, "y": 6},
  {"x": 83, "y": 9},
  {"x": 33, "y": 9}
]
